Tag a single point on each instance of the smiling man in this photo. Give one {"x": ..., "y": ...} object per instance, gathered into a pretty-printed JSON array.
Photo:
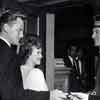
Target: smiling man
[{"x": 95, "y": 95}]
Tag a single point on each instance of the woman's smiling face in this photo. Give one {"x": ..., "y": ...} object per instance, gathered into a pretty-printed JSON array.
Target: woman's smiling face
[{"x": 36, "y": 55}]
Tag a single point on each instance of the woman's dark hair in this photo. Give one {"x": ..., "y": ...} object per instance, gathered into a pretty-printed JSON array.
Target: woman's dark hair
[{"x": 26, "y": 48}]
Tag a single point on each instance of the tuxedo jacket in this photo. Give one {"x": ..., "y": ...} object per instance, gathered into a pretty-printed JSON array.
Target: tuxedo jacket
[
  {"x": 69, "y": 63},
  {"x": 74, "y": 79},
  {"x": 11, "y": 87},
  {"x": 97, "y": 85}
]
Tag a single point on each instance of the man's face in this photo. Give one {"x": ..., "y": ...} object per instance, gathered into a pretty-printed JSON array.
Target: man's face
[
  {"x": 15, "y": 31},
  {"x": 96, "y": 36},
  {"x": 73, "y": 51}
]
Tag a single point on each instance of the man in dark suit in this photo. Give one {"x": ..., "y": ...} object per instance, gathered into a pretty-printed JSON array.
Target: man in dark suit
[
  {"x": 70, "y": 61},
  {"x": 11, "y": 88},
  {"x": 95, "y": 95}
]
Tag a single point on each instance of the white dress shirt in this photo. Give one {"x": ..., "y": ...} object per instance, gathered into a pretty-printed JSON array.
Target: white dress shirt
[{"x": 80, "y": 66}]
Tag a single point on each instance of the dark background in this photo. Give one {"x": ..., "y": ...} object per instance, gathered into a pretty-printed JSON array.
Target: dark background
[{"x": 73, "y": 24}]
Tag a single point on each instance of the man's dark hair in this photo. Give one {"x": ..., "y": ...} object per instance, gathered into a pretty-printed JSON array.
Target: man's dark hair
[{"x": 8, "y": 16}]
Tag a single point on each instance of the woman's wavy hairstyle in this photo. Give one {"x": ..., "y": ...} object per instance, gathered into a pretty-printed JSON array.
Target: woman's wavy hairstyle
[{"x": 26, "y": 48}]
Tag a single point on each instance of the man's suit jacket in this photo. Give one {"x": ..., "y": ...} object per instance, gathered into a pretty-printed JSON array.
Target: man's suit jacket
[
  {"x": 11, "y": 87},
  {"x": 97, "y": 85},
  {"x": 74, "y": 79}
]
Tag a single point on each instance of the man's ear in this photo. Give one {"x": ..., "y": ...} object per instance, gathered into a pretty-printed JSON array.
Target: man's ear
[{"x": 6, "y": 28}]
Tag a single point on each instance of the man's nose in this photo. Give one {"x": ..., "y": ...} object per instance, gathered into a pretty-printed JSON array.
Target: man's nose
[{"x": 93, "y": 35}]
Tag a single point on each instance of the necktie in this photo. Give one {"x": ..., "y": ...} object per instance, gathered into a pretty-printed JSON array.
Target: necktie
[{"x": 75, "y": 62}]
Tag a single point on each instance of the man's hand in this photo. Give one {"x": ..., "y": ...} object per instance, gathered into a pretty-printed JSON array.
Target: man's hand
[
  {"x": 80, "y": 95},
  {"x": 57, "y": 95},
  {"x": 73, "y": 97}
]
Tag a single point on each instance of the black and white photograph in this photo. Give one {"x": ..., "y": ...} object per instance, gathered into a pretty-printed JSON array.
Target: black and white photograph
[{"x": 49, "y": 49}]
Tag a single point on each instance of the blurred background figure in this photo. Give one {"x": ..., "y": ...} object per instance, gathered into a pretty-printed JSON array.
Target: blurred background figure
[
  {"x": 70, "y": 61},
  {"x": 70, "y": 56}
]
